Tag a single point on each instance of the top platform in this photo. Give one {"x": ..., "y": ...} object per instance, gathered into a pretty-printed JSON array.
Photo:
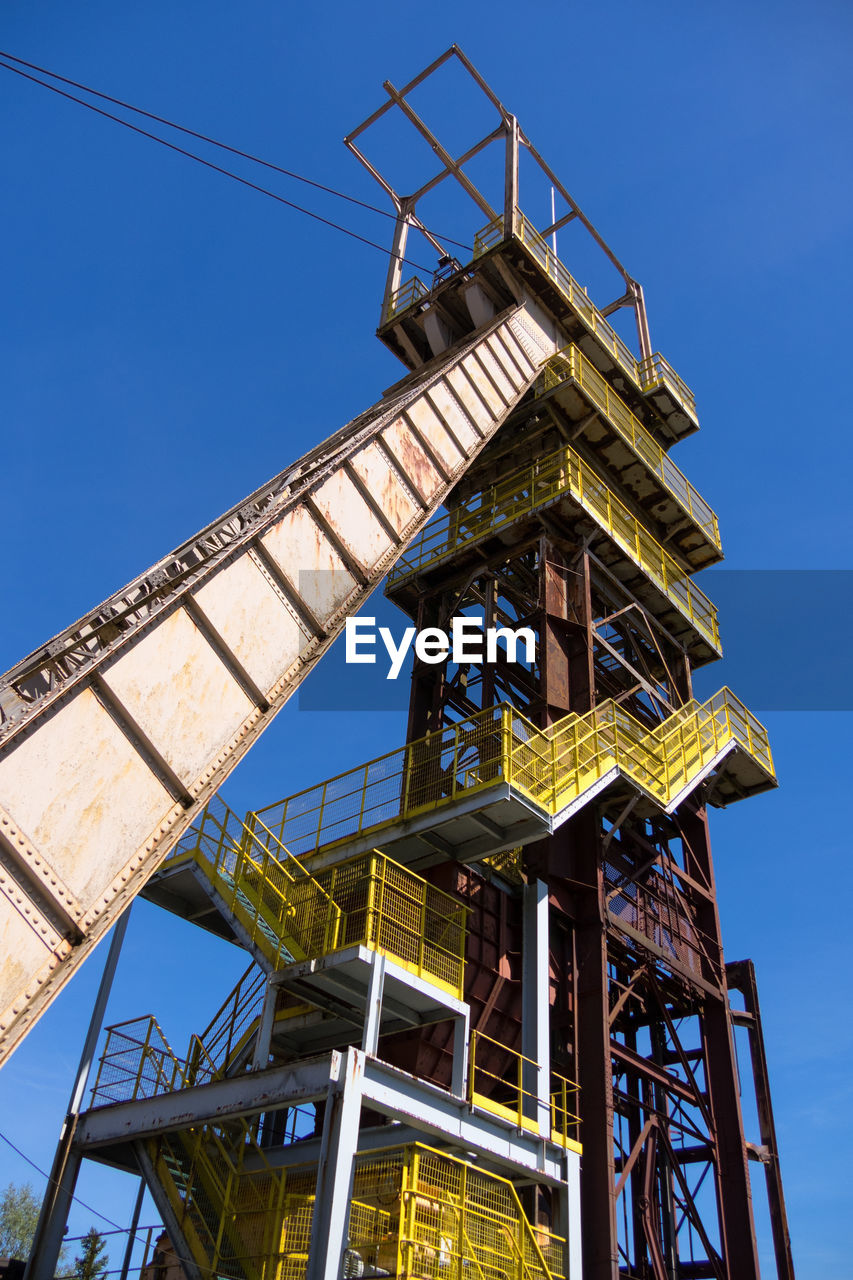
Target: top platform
[
  {"x": 418, "y": 317},
  {"x": 511, "y": 257}
]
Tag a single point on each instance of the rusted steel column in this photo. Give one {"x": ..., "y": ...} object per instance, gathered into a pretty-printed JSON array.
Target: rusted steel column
[
  {"x": 581, "y": 843},
  {"x": 740, "y": 975},
  {"x": 565, "y": 643},
  {"x": 734, "y": 1192}
]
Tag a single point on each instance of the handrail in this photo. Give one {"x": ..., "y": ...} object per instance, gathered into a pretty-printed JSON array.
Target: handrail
[
  {"x": 258, "y": 879},
  {"x": 571, "y": 364},
  {"x": 438, "y": 1182},
  {"x": 386, "y": 907},
  {"x": 551, "y": 767},
  {"x": 538, "y": 484},
  {"x": 237, "y": 1012},
  {"x": 647, "y": 374},
  {"x": 140, "y": 1065},
  {"x": 368, "y": 900},
  {"x": 245, "y": 1217},
  {"x": 406, "y": 296},
  {"x": 523, "y": 1098}
]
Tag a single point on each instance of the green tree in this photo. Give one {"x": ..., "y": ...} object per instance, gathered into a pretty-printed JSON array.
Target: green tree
[
  {"x": 92, "y": 1261},
  {"x": 19, "y": 1215}
]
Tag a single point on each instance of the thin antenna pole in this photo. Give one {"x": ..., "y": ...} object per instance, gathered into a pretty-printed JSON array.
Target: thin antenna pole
[{"x": 553, "y": 220}]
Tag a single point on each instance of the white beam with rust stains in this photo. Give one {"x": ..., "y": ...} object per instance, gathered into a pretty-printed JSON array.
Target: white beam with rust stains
[{"x": 121, "y": 729}]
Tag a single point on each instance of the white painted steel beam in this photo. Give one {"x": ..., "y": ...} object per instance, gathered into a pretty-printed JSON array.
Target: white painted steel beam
[
  {"x": 334, "y": 1171},
  {"x": 115, "y": 734},
  {"x": 221, "y": 1100},
  {"x": 426, "y": 1108},
  {"x": 535, "y": 1007}
]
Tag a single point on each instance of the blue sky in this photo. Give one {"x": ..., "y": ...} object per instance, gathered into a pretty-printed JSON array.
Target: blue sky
[{"x": 169, "y": 340}]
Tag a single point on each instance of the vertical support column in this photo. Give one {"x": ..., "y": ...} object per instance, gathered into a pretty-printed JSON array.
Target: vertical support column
[
  {"x": 643, "y": 335},
  {"x": 535, "y": 1005},
  {"x": 261, "y": 1056},
  {"x": 581, "y": 667},
  {"x": 461, "y": 1037},
  {"x": 334, "y": 1171},
  {"x": 565, "y": 634},
  {"x": 734, "y": 1192},
  {"x": 570, "y": 1224},
  {"x": 740, "y": 975},
  {"x": 131, "y": 1235},
  {"x": 395, "y": 261},
  {"x": 373, "y": 1010},
  {"x": 554, "y": 638},
  {"x": 510, "y": 175},
  {"x": 580, "y": 854},
  {"x": 668, "y": 1217},
  {"x": 47, "y": 1242},
  {"x": 428, "y": 679}
]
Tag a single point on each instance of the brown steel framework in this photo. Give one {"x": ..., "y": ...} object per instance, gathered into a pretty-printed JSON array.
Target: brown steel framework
[
  {"x": 642, "y": 1021},
  {"x": 566, "y": 516},
  {"x": 640, "y": 1011}
]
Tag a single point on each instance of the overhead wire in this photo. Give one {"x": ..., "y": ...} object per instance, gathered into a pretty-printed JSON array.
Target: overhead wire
[
  {"x": 228, "y": 173},
  {"x": 224, "y": 146},
  {"x": 126, "y": 1231},
  {"x": 48, "y": 1178},
  {"x": 214, "y": 142}
]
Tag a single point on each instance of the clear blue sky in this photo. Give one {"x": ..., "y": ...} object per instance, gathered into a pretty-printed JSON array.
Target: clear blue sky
[{"x": 169, "y": 340}]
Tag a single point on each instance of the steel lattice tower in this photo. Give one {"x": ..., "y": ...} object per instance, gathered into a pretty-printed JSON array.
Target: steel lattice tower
[{"x": 487, "y": 1028}]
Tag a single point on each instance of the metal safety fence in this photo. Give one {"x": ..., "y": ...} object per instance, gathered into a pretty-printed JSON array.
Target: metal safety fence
[
  {"x": 291, "y": 914},
  {"x": 571, "y": 364},
  {"x": 552, "y": 767},
  {"x": 389, "y": 909},
  {"x": 513, "y": 1092},
  {"x": 414, "y": 1212},
  {"x": 538, "y": 485},
  {"x": 647, "y": 374}
]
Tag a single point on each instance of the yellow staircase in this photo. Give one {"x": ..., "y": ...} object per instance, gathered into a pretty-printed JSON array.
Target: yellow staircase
[
  {"x": 286, "y": 914},
  {"x": 414, "y": 1212},
  {"x": 500, "y": 760},
  {"x": 283, "y": 912}
]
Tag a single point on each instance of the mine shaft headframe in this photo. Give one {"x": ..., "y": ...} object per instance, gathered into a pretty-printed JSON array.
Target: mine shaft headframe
[{"x": 507, "y": 132}]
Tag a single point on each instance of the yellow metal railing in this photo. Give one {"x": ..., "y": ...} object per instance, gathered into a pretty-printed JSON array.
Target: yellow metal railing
[
  {"x": 390, "y": 909},
  {"x": 562, "y": 473},
  {"x": 457, "y": 1221},
  {"x": 498, "y": 745},
  {"x": 213, "y": 1050},
  {"x": 278, "y": 903},
  {"x": 514, "y": 1096},
  {"x": 507, "y": 863},
  {"x": 368, "y": 900},
  {"x": 415, "y": 1213},
  {"x": 572, "y": 364},
  {"x": 241, "y": 1218},
  {"x": 137, "y": 1062},
  {"x": 293, "y": 915},
  {"x": 406, "y": 296},
  {"x": 646, "y": 374}
]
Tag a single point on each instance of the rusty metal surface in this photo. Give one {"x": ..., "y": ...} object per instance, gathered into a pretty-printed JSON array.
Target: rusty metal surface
[
  {"x": 118, "y": 730},
  {"x": 641, "y": 1017}
]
